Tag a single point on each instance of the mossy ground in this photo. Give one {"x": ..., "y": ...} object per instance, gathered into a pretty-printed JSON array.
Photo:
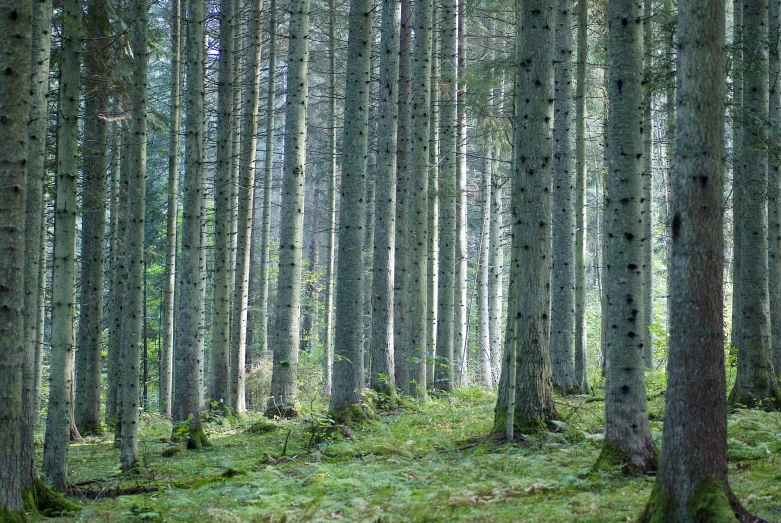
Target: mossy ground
[{"x": 427, "y": 461}]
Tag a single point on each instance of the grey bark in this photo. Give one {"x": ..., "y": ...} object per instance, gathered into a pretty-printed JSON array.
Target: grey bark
[
  {"x": 627, "y": 433},
  {"x": 55, "y": 452},
  {"x": 774, "y": 183},
  {"x": 461, "y": 328},
  {"x": 328, "y": 360},
  {"x": 737, "y": 146},
  {"x": 647, "y": 211},
  {"x": 414, "y": 362},
  {"x": 484, "y": 333},
  {"x": 15, "y": 35},
  {"x": 496, "y": 268},
  {"x": 563, "y": 274},
  {"x": 286, "y": 328},
  {"x": 382, "y": 365},
  {"x": 433, "y": 204}
]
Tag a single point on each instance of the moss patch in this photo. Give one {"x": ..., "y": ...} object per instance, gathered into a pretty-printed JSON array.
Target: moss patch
[
  {"x": 196, "y": 438},
  {"x": 349, "y": 414},
  {"x": 40, "y": 498},
  {"x": 7, "y": 516}
]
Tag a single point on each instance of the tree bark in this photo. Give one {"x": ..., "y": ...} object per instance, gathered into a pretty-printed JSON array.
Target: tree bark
[
  {"x": 647, "y": 211},
  {"x": 328, "y": 360},
  {"x": 462, "y": 262},
  {"x": 433, "y": 205},
  {"x": 774, "y": 184},
  {"x": 496, "y": 268},
  {"x": 484, "y": 333}
]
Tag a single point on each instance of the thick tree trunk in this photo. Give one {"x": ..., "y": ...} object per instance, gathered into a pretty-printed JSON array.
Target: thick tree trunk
[
  {"x": 15, "y": 35},
  {"x": 55, "y": 452},
  {"x": 169, "y": 285},
  {"x": 563, "y": 274},
  {"x": 188, "y": 339},
  {"x": 382, "y": 365},
  {"x": 627, "y": 434},
  {"x": 414, "y": 362},
  {"x": 755, "y": 382},
  {"x": 286, "y": 328},
  {"x": 581, "y": 366},
  {"x": 774, "y": 185},
  {"x": 462, "y": 263},
  {"x": 328, "y": 360},
  {"x": 448, "y": 196},
  {"x": 692, "y": 482}
]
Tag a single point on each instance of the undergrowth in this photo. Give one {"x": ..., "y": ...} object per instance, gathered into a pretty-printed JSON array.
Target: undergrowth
[{"x": 423, "y": 461}]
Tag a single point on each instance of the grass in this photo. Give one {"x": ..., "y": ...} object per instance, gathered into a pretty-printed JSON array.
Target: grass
[{"x": 426, "y": 462}]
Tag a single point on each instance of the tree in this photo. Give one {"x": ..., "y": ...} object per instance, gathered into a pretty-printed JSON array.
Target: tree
[
  {"x": 563, "y": 274},
  {"x": 286, "y": 328},
  {"x": 328, "y": 359},
  {"x": 484, "y": 335},
  {"x": 462, "y": 263},
  {"x": 15, "y": 36},
  {"x": 755, "y": 382},
  {"x": 692, "y": 482},
  {"x": 347, "y": 372},
  {"x": 496, "y": 268},
  {"x": 647, "y": 210},
  {"x": 527, "y": 354},
  {"x": 774, "y": 184},
  {"x": 382, "y": 371},
  {"x": 627, "y": 434},
  {"x": 55, "y": 451}
]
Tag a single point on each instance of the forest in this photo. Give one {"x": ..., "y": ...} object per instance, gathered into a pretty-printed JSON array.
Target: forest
[{"x": 390, "y": 260}]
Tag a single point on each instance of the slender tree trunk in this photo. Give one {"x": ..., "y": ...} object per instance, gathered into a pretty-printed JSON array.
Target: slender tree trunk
[
  {"x": 462, "y": 262},
  {"x": 188, "y": 339},
  {"x": 414, "y": 362},
  {"x": 55, "y": 452},
  {"x": 402, "y": 192},
  {"x": 34, "y": 247},
  {"x": 249, "y": 142},
  {"x": 167, "y": 348},
  {"x": 692, "y": 482},
  {"x": 774, "y": 184},
  {"x": 265, "y": 242},
  {"x": 581, "y": 327},
  {"x": 496, "y": 268},
  {"x": 382, "y": 368},
  {"x": 755, "y": 382},
  {"x": 528, "y": 319},
  {"x": 647, "y": 211},
  {"x": 15, "y": 34},
  {"x": 433, "y": 205},
  {"x": 328, "y": 360},
  {"x": 563, "y": 274},
  {"x": 286, "y": 328},
  {"x": 737, "y": 146},
  {"x": 448, "y": 196},
  {"x": 41, "y": 305},
  {"x": 627, "y": 434},
  {"x": 484, "y": 336}
]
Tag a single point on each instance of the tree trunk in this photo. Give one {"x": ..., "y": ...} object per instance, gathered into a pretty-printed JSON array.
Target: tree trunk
[
  {"x": 755, "y": 383},
  {"x": 286, "y": 328},
  {"x": 167, "y": 348},
  {"x": 484, "y": 336},
  {"x": 647, "y": 211},
  {"x": 774, "y": 185},
  {"x": 55, "y": 452},
  {"x": 462, "y": 263},
  {"x": 414, "y": 362},
  {"x": 382, "y": 367},
  {"x": 188, "y": 339},
  {"x": 15, "y": 34},
  {"x": 737, "y": 146},
  {"x": 495, "y": 267},
  {"x": 563, "y": 274},
  {"x": 627, "y": 434},
  {"x": 692, "y": 482},
  {"x": 328, "y": 360},
  {"x": 448, "y": 196},
  {"x": 433, "y": 205},
  {"x": 581, "y": 365},
  {"x": 402, "y": 191}
]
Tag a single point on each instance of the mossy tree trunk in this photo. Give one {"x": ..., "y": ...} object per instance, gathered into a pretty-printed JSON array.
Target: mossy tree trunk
[
  {"x": 627, "y": 433},
  {"x": 382, "y": 377},
  {"x": 348, "y": 343},
  {"x": 286, "y": 328},
  {"x": 755, "y": 383},
  {"x": 692, "y": 481},
  {"x": 563, "y": 256},
  {"x": 58, "y": 421},
  {"x": 15, "y": 36}
]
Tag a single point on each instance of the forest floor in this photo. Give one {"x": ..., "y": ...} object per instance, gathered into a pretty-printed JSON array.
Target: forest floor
[{"x": 428, "y": 461}]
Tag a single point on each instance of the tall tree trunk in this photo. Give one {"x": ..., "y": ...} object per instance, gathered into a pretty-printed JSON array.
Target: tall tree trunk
[
  {"x": 448, "y": 196},
  {"x": 755, "y": 382},
  {"x": 34, "y": 246},
  {"x": 737, "y": 146},
  {"x": 328, "y": 360},
  {"x": 692, "y": 481},
  {"x": 347, "y": 372},
  {"x": 286, "y": 328},
  {"x": 402, "y": 191},
  {"x": 581, "y": 366},
  {"x": 249, "y": 142},
  {"x": 484, "y": 333},
  {"x": 169, "y": 285},
  {"x": 647, "y": 211},
  {"x": 219, "y": 360},
  {"x": 382, "y": 371},
  {"x": 496, "y": 267},
  {"x": 461, "y": 327},
  {"x": 15, "y": 36},
  {"x": 188, "y": 339},
  {"x": 414, "y": 362},
  {"x": 528, "y": 320},
  {"x": 774, "y": 184},
  {"x": 563, "y": 256},
  {"x": 433, "y": 204},
  {"x": 55, "y": 452},
  {"x": 627, "y": 434}
]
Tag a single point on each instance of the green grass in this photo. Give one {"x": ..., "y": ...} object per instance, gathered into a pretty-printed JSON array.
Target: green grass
[{"x": 427, "y": 462}]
